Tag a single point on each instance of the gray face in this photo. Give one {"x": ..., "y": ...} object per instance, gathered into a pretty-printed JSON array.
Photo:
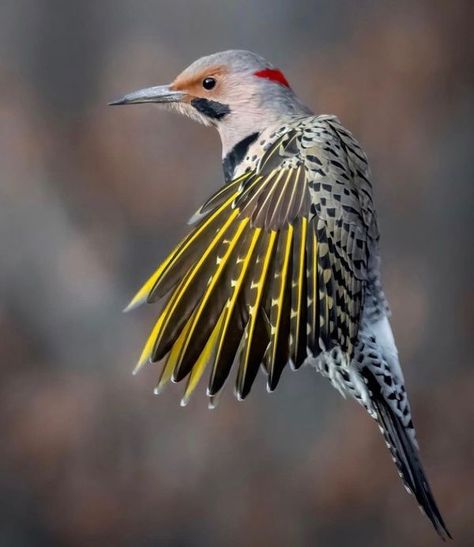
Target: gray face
[{"x": 236, "y": 91}]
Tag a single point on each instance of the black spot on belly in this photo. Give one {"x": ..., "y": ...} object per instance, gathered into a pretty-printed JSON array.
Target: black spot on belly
[{"x": 211, "y": 109}]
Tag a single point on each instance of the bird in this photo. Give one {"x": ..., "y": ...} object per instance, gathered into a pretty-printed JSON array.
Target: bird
[{"x": 281, "y": 266}]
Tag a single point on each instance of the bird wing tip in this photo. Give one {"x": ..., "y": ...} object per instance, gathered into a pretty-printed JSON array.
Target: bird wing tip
[
  {"x": 140, "y": 364},
  {"x": 133, "y": 304},
  {"x": 195, "y": 218}
]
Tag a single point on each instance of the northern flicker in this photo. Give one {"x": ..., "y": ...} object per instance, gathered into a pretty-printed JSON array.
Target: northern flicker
[{"x": 281, "y": 266}]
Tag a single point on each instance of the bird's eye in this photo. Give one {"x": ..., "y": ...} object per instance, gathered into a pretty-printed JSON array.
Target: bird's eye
[{"x": 208, "y": 83}]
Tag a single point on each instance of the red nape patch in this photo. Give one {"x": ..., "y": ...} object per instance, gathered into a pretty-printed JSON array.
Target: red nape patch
[{"x": 274, "y": 75}]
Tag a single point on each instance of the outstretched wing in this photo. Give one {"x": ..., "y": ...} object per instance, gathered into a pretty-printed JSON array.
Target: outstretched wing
[{"x": 274, "y": 269}]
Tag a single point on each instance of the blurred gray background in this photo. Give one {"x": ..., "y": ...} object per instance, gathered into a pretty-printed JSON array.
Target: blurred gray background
[{"x": 92, "y": 198}]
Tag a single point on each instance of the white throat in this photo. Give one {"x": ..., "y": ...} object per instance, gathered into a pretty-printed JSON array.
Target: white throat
[{"x": 254, "y": 116}]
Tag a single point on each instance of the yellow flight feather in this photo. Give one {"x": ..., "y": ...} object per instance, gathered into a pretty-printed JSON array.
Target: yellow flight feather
[
  {"x": 145, "y": 290},
  {"x": 169, "y": 309},
  {"x": 253, "y": 311},
  {"x": 200, "y": 365},
  {"x": 281, "y": 293},
  {"x": 175, "y": 351},
  {"x": 214, "y": 280},
  {"x": 147, "y": 350},
  {"x": 299, "y": 288},
  {"x": 238, "y": 285}
]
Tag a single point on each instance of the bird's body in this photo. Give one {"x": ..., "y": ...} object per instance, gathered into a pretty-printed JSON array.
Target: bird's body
[{"x": 282, "y": 264}]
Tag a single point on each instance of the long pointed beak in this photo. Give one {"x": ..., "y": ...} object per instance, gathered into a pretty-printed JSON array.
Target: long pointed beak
[{"x": 157, "y": 94}]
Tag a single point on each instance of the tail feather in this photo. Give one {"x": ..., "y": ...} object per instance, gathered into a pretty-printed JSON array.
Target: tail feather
[{"x": 405, "y": 455}]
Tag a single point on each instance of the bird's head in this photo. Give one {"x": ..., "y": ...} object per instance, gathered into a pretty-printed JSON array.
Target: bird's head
[{"x": 236, "y": 91}]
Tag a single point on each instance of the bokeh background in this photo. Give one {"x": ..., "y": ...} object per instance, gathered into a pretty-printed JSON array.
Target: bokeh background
[{"x": 91, "y": 199}]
